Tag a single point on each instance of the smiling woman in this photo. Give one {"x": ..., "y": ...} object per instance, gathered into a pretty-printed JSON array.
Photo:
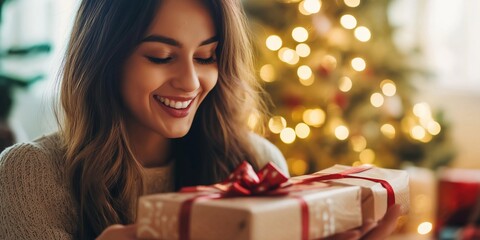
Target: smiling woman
[{"x": 154, "y": 96}]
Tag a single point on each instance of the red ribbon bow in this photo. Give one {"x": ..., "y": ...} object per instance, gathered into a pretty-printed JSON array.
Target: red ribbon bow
[{"x": 244, "y": 181}]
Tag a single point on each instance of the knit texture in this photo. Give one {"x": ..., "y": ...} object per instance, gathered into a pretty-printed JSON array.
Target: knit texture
[{"x": 36, "y": 201}]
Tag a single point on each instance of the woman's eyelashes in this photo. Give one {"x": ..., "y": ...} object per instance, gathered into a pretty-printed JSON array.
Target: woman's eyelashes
[
  {"x": 209, "y": 60},
  {"x": 157, "y": 60},
  {"x": 160, "y": 60}
]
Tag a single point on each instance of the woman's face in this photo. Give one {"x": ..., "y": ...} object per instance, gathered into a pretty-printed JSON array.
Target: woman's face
[{"x": 172, "y": 70}]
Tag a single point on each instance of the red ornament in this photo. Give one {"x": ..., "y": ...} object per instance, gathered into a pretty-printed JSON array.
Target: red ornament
[{"x": 341, "y": 100}]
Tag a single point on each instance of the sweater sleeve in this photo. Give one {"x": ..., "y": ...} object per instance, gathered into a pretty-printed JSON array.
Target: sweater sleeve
[
  {"x": 33, "y": 199},
  {"x": 268, "y": 152}
]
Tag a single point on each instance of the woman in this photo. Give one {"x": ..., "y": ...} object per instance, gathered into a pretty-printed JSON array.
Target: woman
[{"x": 155, "y": 96}]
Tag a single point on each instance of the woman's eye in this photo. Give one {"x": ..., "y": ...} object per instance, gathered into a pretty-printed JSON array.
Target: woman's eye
[
  {"x": 160, "y": 60},
  {"x": 209, "y": 60}
]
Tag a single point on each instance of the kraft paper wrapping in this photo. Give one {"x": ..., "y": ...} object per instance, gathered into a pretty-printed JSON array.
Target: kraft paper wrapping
[
  {"x": 374, "y": 196},
  {"x": 331, "y": 210}
]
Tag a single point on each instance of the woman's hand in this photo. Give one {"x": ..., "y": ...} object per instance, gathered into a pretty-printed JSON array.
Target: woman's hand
[
  {"x": 373, "y": 230},
  {"x": 119, "y": 232}
]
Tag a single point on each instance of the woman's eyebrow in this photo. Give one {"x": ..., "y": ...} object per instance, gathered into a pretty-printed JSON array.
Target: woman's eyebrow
[{"x": 173, "y": 42}]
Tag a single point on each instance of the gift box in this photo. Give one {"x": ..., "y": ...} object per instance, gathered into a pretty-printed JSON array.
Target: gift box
[
  {"x": 302, "y": 211},
  {"x": 306, "y": 207},
  {"x": 458, "y": 203},
  {"x": 377, "y": 184}
]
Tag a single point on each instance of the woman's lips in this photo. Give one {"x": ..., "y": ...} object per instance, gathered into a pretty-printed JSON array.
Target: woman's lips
[{"x": 177, "y": 107}]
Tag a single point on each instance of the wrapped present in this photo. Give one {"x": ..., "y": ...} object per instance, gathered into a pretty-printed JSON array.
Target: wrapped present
[
  {"x": 381, "y": 187},
  {"x": 458, "y": 209},
  {"x": 251, "y": 206}
]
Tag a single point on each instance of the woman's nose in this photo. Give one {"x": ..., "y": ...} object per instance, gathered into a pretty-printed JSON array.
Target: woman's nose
[{"x": 187, "y": 78}]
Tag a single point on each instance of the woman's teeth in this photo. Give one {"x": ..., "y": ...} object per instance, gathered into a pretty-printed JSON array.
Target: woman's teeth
[{"x": 175, "y": 104}]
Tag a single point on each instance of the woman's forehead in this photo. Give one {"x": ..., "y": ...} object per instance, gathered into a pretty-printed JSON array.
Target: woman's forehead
[{"x": 186, "y": 21}]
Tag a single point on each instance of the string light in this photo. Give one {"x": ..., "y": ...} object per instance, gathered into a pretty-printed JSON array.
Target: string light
[
  {"x": 358, "y": 143},
  {"x": 308, "y": 7},
  {"x": 388, "y": 87},
  {"x": 358, "y": 64},
  {"x": 273, "y": 42},
  {"x": 288, "y": 55},
  {"x": 253, "y": 120},
  {"x": 417, "y": 132},
  {"x": 307, "y": 82},
  {"x": 297, "y": 166},
  {"x": 388, "y": 130},
  {"x": 304, "y": 72},
  {"x": 341, "y": 132},
  {"x": 267, "y": 73},
  {"x": 352, "y": 3},
  {"x": 329, "y": 62},
  {"x": 300, "y": 34},
  {"x": 362, "y": 34},
  {"x": 314, "y": 117},
  {"x": 434, "y": 128},
  {"x": 303, "y": 50},
  {"x": 287, "y": 135},
  {"x": 367, "y": 156},
  {"x": 276, "y": 124},
  {"x": 302, "y": 130},
  {"x": 348, "y": 21},
  {"x": 345, "y": 84},
  {"x": 377, "y": 100},
  {"x": 422, "y": 110},
  {"x": 424, "y": 228}
]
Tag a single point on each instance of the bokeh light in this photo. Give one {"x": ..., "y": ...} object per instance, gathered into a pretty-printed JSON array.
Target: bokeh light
[
  {"x": 267, "y": 73},
  {"x": 274, "y": 42}
]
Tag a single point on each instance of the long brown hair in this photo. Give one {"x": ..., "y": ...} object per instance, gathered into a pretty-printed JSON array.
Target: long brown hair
[{"x": 105, "y": 177}]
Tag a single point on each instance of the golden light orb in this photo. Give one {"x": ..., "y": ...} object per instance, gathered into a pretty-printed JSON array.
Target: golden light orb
[
  {"x": 359, "y": 143},
  {"x": 388, "y": 130},
  {"x": 341, "y": 132},
  {"x": 358, "y": 64},
  {"x": 267, "y": 73},
  {"x": 273, "y": 42},
  {"x": 314, "y": 117},
  {"x": 362, "y": 34},
  {"x": 345, "y": 84},
  {"x": 276, "y": 124},
  {"x": 377, "y": 99},
  {"x": 304, "y": 72},
  {"x": 352, "y": 3},
  {"x": 422, "y": 110},
  {"x": 329, "y": 62},
  {"x": 388, "y": 87},
  {"x": 300, "y": 34},
  {"x": 297, "y": 166},
  {"x": 307, "y": 82},
  {"x": 303, "y": 50},
  {"x": 417, "y": 132},
  {"x": 302, "y": 130},
  {"x": 287, "y": 135},
  {"x": 367, "y": 156},
  {"x": 348, "y": 21},
  {"x": 424, "y": 228},
  {"x": 311, "y": 6},
  {"x": 434, "y": 128},
  {"x": 253, "y": 120}
]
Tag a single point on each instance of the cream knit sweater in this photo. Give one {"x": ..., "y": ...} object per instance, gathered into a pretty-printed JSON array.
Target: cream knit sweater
[{"x": 35, "y": 201}]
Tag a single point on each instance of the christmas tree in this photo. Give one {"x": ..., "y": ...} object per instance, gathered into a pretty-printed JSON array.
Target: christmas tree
[{"x": 340, "y": 88}]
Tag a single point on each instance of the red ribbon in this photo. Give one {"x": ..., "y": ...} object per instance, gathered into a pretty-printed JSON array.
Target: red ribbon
[{"x": 243, "y": 181}]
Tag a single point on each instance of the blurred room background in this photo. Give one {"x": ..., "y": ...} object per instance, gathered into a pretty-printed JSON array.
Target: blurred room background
[{"x": 393, "y": 83}]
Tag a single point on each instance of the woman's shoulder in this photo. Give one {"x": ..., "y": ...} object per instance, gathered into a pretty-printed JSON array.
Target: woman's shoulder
[
  {"x": 268, "y": 152},
  {"x": 42, "y": 155},
  {"x": 35, "y": 198}
]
